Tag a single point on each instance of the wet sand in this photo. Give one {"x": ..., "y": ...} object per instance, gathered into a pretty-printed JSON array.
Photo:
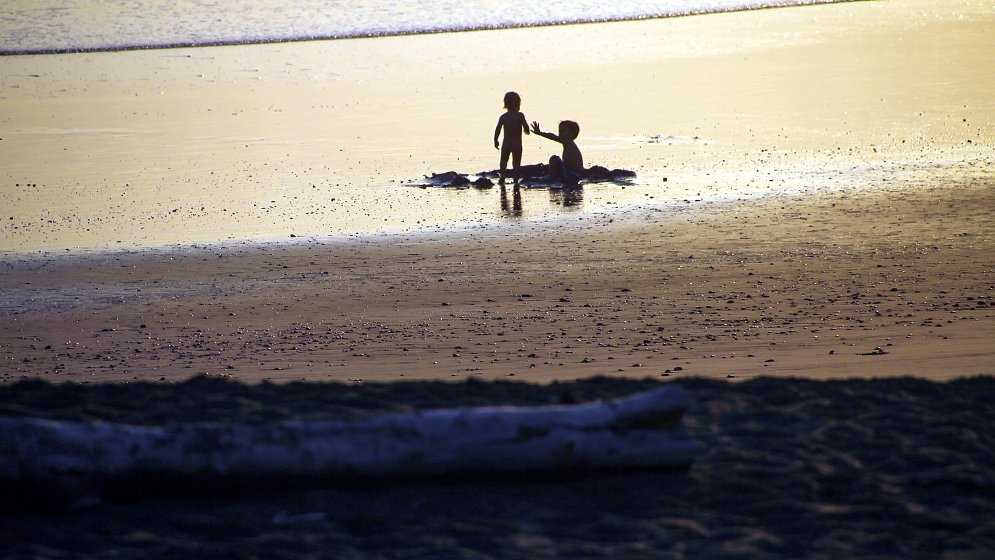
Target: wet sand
[{"x": 864, "y": 284}]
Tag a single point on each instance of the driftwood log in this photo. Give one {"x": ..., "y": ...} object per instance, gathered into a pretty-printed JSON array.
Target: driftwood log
[{"x": 636, "y": 432}]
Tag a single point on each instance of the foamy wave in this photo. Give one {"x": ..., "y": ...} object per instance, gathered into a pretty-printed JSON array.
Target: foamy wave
[{"x": 50, "y": 26}]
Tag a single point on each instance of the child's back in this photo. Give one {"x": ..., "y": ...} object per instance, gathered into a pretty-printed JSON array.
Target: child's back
[
  {"x": 572, "y": 157},
  {"x": 513, "y": 124}
]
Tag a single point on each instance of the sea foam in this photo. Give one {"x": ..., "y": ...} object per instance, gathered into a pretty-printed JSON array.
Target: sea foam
[{"x": 50, "y": 26}]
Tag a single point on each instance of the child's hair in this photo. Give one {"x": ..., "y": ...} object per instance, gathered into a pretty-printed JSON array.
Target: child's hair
[
  {"x": 570, "y": 129},
  {"x": 512, "y": 101}
]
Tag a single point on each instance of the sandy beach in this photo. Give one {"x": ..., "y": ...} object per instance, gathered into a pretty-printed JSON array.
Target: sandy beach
[
  {"x": 832, "y": 219},
  {"x": 235, "y": 234}
]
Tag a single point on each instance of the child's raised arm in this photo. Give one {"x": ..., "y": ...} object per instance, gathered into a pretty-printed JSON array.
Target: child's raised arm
[{"x": 547, "y": 135}]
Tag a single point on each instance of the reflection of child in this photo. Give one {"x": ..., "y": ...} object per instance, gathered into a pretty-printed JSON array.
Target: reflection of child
[
  {"x": 570, "y": 168},
  {"x": 513, "y": 122}
]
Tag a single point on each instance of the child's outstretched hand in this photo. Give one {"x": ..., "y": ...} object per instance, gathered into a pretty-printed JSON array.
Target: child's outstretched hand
[{"x": 535, "y": 127}]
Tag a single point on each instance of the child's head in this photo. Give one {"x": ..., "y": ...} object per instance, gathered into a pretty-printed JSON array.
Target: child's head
[
  {"x": 569, "y": 129},
  {"x": 512, "y": 101}
]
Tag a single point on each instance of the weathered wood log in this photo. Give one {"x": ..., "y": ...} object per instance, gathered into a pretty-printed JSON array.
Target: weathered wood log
[{"x": 636, "y": 432}]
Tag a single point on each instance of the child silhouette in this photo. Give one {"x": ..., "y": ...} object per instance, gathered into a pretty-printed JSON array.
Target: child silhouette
[
  {"x": 513, "y": 122},
  {"x": 570, "y": 168}
]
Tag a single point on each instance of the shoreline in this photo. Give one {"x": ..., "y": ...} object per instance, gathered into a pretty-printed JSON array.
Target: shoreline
[{"x": 403, "y": 33}]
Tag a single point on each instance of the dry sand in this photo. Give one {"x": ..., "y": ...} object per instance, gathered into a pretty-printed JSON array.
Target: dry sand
[{"x": 866, "y": 127}]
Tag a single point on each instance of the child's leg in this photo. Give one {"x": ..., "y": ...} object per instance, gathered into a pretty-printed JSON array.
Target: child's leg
[
  {"x": 516, "y": 162},
  {"x": 505, "y": 153},
  {"x": 570, "y": 177},
  {"x": 555, "y": 169}
]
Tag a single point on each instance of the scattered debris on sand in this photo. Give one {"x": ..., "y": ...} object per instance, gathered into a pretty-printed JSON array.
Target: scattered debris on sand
[{"x": 533, "y": 175}]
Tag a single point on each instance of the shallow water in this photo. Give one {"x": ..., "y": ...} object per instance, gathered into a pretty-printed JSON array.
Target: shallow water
[
  {"x": 327, "y": 139},
  {"x": 279, "y": 142},
  {"x": 77, "y": 25}
]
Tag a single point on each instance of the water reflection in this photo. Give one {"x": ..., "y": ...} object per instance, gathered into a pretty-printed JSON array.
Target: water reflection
[
  {"x": 514, "y": 210},
  {"x": 570, "y": 199}
]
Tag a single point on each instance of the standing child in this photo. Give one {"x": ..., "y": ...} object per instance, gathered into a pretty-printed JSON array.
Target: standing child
[
  {"x": 513, "y": 122},
  {"x": 570, "y": 168}
]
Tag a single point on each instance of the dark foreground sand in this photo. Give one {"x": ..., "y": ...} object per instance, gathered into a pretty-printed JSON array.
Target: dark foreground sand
[{"x": 897, "y": 468}]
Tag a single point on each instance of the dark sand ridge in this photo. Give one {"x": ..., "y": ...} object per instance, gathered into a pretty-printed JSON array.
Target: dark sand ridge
[
  {"x": 888, "y": 468},
  {"x": 888, "y": 283}
]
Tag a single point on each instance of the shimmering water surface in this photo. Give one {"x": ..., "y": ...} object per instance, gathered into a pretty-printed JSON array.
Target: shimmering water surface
[
  {"x": 73, "y": 25},
  {"x": 319, "y": 139}
]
